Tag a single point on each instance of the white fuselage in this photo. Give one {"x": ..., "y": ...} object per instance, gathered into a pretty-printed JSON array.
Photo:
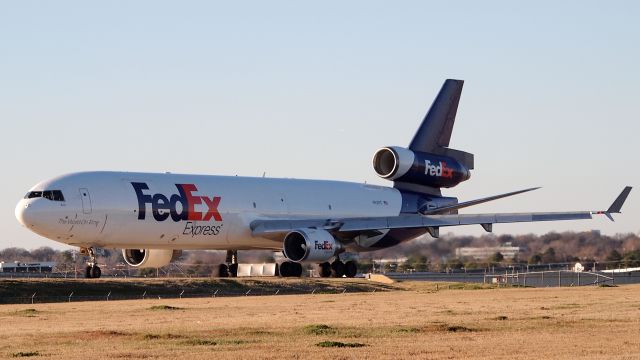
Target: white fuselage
[{"x": 103, "y": 209}]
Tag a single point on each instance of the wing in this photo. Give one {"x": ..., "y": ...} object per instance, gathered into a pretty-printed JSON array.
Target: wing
[{"x": 352, "y": 226}]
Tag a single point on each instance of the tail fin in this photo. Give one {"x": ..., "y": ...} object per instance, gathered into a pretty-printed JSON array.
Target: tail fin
[
  {"x": 435, "y": 130},
  {"x": 434, "y": 133}
]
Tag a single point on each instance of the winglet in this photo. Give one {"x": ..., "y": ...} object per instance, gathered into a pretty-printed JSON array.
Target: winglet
[{"x": 617, "y": 204}]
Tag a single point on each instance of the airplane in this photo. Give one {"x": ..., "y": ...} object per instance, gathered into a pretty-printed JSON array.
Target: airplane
[{"x": 154, "y": 216}]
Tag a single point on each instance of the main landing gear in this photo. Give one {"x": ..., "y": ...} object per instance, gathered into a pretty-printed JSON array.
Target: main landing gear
[
  {"x": 338, "y": 269},
  {"x": 230, "y": 268},
  {"x": 92, "y": 271}
]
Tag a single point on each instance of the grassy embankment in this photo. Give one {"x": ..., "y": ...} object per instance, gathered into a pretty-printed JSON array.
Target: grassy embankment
[{"x": 418, "y": 322}]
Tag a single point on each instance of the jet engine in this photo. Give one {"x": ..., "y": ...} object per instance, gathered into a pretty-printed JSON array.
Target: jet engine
[
  {"x": 421, "y": 168},
  {"x": 310, "y": 245},
  {"x": 149, "y": 258}
]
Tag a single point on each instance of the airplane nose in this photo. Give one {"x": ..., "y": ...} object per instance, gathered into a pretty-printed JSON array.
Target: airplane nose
[{"x": 23, "y": 213}]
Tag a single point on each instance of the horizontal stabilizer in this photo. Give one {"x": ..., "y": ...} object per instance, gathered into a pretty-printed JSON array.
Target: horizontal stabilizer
[{"x": 446, "y": 209}]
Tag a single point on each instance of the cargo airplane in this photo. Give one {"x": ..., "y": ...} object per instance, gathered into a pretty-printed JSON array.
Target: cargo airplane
[{"x": 152, "y": 217}]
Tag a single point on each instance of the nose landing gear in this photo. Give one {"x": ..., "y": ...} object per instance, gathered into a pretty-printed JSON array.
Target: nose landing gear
[{"x": 92, "y": 271}]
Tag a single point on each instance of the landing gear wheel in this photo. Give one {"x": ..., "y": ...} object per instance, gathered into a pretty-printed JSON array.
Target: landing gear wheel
[
  {"x": 350, "y": 269},
  {"x": 325, "y": 269},
  {"x": 290, "y": 269},
  {"x": 297, "y": 270},
  {"x": 285, "y": 269},
  {"x": 95, "y": 272},
  {"x": 337, "y": 269},
  {"x": 233, "y": 270},
  {"x": 87, "y": 272},
  {"x": 223, "y": 271}
]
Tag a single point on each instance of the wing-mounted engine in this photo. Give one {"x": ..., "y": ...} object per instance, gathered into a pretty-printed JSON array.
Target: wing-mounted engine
[
  {"x": 316, "y": 245},
  {"x": 150, "y": 258},
  {"x": 420, "y": 168}
]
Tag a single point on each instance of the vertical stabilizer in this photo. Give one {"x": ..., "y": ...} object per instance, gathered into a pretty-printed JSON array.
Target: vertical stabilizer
[{"x": 435, "y": 130}]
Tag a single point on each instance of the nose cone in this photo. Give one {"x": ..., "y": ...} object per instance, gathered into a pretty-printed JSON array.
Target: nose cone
[{"x": 23, "y": 213}]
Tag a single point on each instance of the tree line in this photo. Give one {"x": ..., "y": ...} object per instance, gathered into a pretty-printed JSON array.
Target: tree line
[{"x": 421, "y": 254}]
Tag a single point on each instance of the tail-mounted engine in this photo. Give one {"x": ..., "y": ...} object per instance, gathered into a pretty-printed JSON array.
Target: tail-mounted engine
[
  {"x": 420, "y": 168},
  {"x": 149, "y": 258},
  {"x": 310, "y": 245}
]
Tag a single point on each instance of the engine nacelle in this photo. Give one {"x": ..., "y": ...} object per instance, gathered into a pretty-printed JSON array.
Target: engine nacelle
[
  {"x": 310, "y": 245},
  {"x": 421, "y": 168},
  {"x": 149, "y": 258}
]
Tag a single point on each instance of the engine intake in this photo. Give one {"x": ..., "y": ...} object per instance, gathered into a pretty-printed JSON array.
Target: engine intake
[
  {"x": 310, "y": 245},
  {"x": 149, "y": 258},
  {"x": 421, "y": 168}
]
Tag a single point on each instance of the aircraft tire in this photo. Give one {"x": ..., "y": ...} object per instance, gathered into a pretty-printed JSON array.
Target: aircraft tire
[
  {"x": 233, "y": 270},
  {"x": 223, "y": 270},
  {"x": 297, "y": 269},
  {"x": 95, "y": 272},
  {"x": 350, "y": 269},
  {"x": 324, "y": 269},
  {"x": 87, "y": 272},
  {"x": 337, "y": 269},
  {"x": 285, "y": 269}
]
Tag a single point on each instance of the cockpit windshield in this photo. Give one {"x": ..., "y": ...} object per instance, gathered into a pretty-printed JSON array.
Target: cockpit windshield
[
  {"x": 53, "y": 195},
  {"x": 33, "y": 194}
]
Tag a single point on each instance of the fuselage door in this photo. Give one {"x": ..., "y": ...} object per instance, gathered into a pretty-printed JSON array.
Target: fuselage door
[{"x": 86, "y": 200}]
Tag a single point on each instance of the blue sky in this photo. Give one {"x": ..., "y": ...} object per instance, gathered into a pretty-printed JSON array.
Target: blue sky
[{"x": 311, "y": 90}]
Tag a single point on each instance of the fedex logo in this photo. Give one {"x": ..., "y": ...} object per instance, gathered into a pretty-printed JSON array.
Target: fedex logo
[
  {"x": 325, "y": 245},
  {"x": 441, "y": 169},
  {"x": 185, "y": 197}
]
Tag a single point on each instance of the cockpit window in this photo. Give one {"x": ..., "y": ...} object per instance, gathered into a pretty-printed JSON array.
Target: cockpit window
[
  {"x": 53, "y": 195},
  {"x": 33, "y": 194},
  {"x": 57, "y": 195}
]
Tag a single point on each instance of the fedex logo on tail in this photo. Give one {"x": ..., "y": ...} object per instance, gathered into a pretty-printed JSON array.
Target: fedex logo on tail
[
  {"x": 441, "y": 170},
  {"x": 185, "y": 197}
]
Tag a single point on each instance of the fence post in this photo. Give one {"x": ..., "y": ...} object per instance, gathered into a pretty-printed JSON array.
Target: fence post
[
  {"x": 524, "y": 279},
  {"x": 578, "y": 278},
  {"x": 559, "y": 279},
  {"x": 109, "y": 294},
  {"x": 70, "y": 295},
  {"x": 181, "y": 294},
  {"x": 542, "y": 285},
  {"x": 32, "y": 296}
]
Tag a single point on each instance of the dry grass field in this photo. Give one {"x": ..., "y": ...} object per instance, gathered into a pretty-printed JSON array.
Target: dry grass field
[{"x": 416, "y": 322}]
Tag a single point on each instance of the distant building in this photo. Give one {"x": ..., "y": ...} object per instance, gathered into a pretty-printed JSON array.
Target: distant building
[
  {"x": 18, "y": 267},
  {"x": 482, "y": 253}
]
